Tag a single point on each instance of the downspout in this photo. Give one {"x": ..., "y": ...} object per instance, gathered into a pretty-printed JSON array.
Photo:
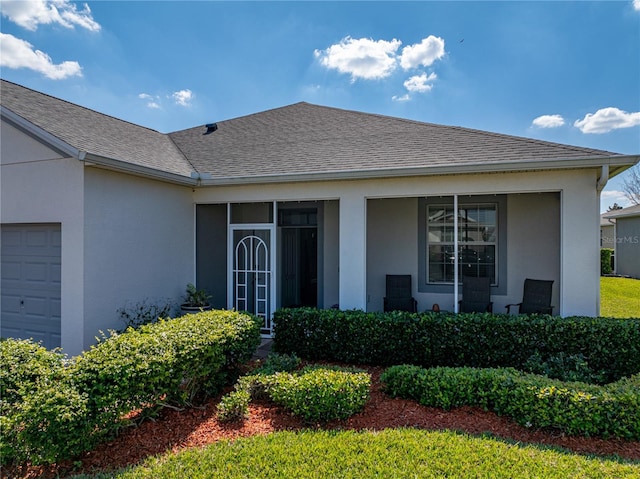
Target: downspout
[
  {"x": 602, "y": 182},
  {"x": 456, "y": 306},
  {"x": 604, "y": 177}
]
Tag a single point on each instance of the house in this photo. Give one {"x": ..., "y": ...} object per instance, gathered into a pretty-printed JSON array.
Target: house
[
  {"x": 625, "y": 236},
  {"x": 607, "y": 232},
  {"x": 299, "y": 205}
]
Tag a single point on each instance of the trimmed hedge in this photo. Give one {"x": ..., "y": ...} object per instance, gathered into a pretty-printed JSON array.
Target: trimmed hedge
[
  {"x": 533, "y": 401},
  {"x": 468, "y": 339},
  {"x": 316, "y": 393},
  {"x": 71, "y": 409}
]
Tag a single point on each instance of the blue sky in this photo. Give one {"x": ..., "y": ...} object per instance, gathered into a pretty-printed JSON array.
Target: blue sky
[{"x": 567, "y": 72}]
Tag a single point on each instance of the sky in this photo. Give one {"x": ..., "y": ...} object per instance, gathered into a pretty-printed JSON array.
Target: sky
[{"x": 567, "y": 72}]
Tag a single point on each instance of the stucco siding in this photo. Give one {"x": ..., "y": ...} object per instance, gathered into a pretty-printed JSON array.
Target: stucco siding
[
  {"x": 628, "y": 246},
  {"x": 139, "y": 244},
  {"x": 19, "y": 147},
  {"x": 392, "y": 246},
  {"x": 38, "y": 186},
  {"x": 533, "y": 223},
  {"x": 330, "y": 259},
  {"x": 577, "y": 289}
]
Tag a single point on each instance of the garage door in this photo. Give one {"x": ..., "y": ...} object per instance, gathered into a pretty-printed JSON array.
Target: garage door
[{"x": 30, "y": 280}]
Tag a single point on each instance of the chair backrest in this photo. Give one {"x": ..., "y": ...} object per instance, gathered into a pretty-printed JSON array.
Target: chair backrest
[
  {"x": 476, "y": 294},
  {"x": 537, "y": 296},
  {"x": 398, "y": 286},
  {"x": 476, "y": 289}
]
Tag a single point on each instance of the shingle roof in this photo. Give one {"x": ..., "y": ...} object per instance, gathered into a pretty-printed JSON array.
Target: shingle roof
[
  {"x": 94, "y": 132},
  {"x": 299, "y": 139},
  {"x": 305, "y": 138},
  {"x": 628, "y": 211}
]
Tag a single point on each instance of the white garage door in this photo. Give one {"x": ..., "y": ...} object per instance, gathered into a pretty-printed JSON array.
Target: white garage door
[{"x": 30, "y": 271}]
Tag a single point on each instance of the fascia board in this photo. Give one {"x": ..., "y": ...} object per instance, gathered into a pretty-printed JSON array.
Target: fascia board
[
  {"x": 619, "y": 164},
  {"x": 40, "y": 134},
  {"x": 138, "y": 170}
]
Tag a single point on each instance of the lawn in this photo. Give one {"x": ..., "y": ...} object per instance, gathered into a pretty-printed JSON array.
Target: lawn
[
  {"x": 392, "y": 453},
  {"x": 619, "y": 297}
]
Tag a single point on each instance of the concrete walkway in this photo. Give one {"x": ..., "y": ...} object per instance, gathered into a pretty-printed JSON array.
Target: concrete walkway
[{"x": 264, "y": 349}]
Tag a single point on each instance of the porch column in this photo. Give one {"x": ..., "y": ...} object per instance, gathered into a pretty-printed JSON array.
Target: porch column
[
  {"x": 579, "y": 254},
  {"x": 353, "y": 283}
]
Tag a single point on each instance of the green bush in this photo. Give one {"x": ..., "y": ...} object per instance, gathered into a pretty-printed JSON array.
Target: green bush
[
  {"x": 320, "y": 393},
  {"x": 446, "y": 339},
  {"x": 233, "y": 406},
  {"x": 276, "y": 363},
  {"x": 24, "y": 365},
  {"x": 565, "y": 367},
  {"x": 605, "y": 260},
  {"x": 532, "y": 400},
  {"x": 61, "y": 411},
  {"x": 316, "y": 393}
]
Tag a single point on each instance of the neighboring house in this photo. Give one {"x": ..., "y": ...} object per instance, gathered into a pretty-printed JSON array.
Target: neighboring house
[
  {"x": 607, "y": 232},
  {"x": 626, "y": 240},
  {"x": 300, "y": 205}
]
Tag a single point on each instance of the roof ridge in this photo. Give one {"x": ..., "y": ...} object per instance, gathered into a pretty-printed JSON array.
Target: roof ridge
[{"x": 467, "y": 129}]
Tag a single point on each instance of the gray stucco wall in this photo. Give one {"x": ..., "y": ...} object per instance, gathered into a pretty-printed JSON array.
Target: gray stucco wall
[
  {"x": 138, "y": 244},
  {"x": 628, "y": 246}
]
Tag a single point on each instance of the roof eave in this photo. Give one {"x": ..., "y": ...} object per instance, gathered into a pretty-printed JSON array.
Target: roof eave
[
  {"x": 617, "y": 164},
  {"x": 138, "y": 170},
  {"x": 43, "y": 135}
]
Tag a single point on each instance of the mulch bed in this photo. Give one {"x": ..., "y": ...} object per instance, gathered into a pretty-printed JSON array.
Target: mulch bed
[{"x": 196, "y": 427}]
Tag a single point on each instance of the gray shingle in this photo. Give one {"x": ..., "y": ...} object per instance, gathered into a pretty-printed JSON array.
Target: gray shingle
[
  {"x": 305, "y": 138},
  {"x": 94, "y": 132},
  {"x": 296, "y": 139}
]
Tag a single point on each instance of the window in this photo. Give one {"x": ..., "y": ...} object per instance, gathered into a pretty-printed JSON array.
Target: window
[{"x": 477, "y": 242}]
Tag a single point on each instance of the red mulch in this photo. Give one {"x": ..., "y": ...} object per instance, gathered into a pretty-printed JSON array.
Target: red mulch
[{"x": 176, "y": 430}]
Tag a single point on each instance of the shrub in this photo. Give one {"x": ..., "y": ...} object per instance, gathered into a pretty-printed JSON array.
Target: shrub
[
  {"x": 146, "y": 311},
  {"x": 320, "y": 393},
  {"x": 605, "y": 260},
  {"x": 316, "y": 393},
  {"x": 62, "y": 413},
  {"x": 275, "y": 363},
  {"x": 468, "y": 339},
  {"x": 233, "y": 406},
  {"x": 24, "y": 365},
  {"x": 532, "y": 400},
  {"x": 565, "y": 367}
]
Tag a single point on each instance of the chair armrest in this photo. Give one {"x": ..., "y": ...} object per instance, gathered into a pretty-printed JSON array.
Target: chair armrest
[{"x": 508, "y": 306}]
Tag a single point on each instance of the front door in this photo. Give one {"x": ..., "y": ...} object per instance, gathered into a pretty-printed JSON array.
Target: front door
[
  {"x": 299, "y": 267},
  {"x": 252, "y": 273}
]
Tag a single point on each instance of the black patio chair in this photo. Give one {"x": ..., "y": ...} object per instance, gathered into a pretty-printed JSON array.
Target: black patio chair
[
  {"x": 536, "y": 298},
  {"x": 398, "y": 296},
  {"x": 476, "y": 295}
]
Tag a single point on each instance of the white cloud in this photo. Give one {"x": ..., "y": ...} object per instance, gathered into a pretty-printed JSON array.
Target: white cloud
[
  {"x": 420, "y": 83},
  {"x": 183, "y": 97},
  {"x": 548, "y": 121},
  {"x": 42, "y": 12},
  {"x": 606, "y": 120},
  {"x": 405, "y": 97},
  {"x": 16, "y": 53},
  {"x": 636, "y": 5},
  {"x": 361, "y": 58},
  {"x": 151, "y": 101},
  {"x": 424, "y": 53}
]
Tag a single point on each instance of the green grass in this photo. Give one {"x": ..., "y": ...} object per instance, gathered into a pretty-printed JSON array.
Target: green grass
[
  {"x": 392, "y": 453},
  {"x": 619, "y": 297}
]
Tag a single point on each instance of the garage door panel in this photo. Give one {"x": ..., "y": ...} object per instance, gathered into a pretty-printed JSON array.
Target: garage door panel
[
  {"x": 10, "y": 304},
  {"x": 31, "y": 282},
  {"x": 11, "y": 270}
]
